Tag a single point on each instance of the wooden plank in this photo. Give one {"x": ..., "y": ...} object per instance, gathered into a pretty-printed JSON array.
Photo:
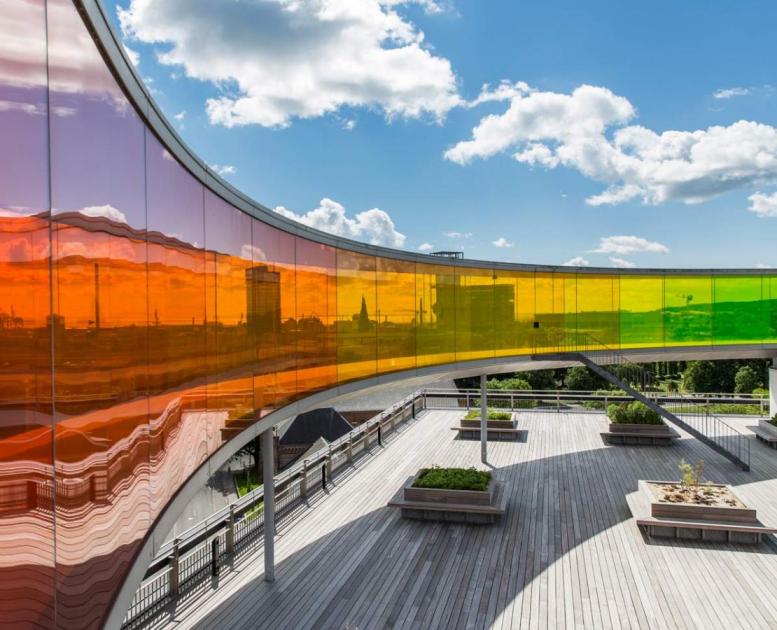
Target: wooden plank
[{"x": 566, "y": 553}]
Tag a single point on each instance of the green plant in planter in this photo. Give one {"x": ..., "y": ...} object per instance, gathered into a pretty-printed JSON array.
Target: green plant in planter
[
  {"x": 633, "y": 413},
  {"x": 453, "y": 479},
  {"x": 493, "y": 414},
  {"x": 773, "y": 420},
  {"x": 691, "y": 473}
]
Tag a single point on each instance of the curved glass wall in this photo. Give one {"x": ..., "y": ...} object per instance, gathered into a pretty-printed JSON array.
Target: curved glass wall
[{"x": 144, "y": 321}]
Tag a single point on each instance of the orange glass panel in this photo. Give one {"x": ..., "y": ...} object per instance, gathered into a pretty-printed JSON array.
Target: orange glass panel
[
  {"x": 229, "y": 344},
  {"x": 356, "y": 316},
  {"x": 316, "y": 278},
  {"x": 436, "y": 319},
  {"x": 514, "y": 312},
  {"x": 396, "y": 315}
]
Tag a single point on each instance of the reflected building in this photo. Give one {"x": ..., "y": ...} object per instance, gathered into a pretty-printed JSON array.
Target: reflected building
[{"x": 263, "y": 298}]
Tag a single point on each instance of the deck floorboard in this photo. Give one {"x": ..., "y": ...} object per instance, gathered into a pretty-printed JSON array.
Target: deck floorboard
[{"x": 567, "y": 554}]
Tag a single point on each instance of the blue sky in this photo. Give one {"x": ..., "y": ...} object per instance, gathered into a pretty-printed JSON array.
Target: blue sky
[{"x": 643, "y": 130}]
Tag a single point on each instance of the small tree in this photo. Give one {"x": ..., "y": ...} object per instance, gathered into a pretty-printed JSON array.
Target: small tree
[
  {"x": 746, "y": 380},
  {"x": 580, "y": 378},
  {"x": 542, "y": 379},
  {"x": 699, "y": 376}
]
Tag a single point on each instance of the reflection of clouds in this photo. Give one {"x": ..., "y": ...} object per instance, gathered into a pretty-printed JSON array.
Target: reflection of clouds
[
  {"x": 107, "y": 211},
  {"x": 34, "y": 109},
  {"x": 23, "y": 44},
  {"x": 75, "y": 66},
  {"x": 252, "y": 252}
]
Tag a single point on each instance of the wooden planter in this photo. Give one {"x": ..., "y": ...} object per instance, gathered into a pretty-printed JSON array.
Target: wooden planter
[
  {"x": 491, "y": 424},
  {"x": 640, "y": 434},
  {"x": 454, "y": 506},
  {"x": 695, "y": 522},
  {"x": 766, "y": 433}
]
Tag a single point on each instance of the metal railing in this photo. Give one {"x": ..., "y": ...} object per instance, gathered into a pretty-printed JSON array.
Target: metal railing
[
  {"x": 641, "y": 384},
  {"x": 201, "y": 552}
]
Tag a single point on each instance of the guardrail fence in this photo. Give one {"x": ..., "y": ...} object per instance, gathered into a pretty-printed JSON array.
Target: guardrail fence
[{"x": 200, "y": 553}]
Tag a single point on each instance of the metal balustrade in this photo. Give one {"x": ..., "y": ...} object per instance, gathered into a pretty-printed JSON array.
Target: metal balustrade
[{"x": 185, "y": 562}]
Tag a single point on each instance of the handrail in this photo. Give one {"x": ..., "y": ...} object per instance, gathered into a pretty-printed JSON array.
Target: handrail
[{"x": 181, "y": 563}]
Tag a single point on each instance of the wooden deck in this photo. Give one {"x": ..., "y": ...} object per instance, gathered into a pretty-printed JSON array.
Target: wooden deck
[{"x": 566, "y": 554}]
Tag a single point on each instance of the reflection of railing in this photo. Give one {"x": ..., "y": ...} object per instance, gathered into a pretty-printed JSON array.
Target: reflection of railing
[{"x": 201, "y": 552}]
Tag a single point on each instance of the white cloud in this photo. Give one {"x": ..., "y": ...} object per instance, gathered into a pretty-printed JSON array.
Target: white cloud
[
  {"x": 762, "y": 266},
  {"x": 132, "y": 54},
  {"x": 726, "y": 93},
  {"x": 374, "y": 226},
  {"x": 223, "y": 169},
  {"x": 628, "y": 245},
  {"x": 458, "y": 234},
  {"x": 502, "y": 242},
  {"x": 763, "y": 205},
  {"x": 505, "y": 91},
  {"x": 180, "y": 115},
  {"x": 349, "y": 125},
  {"x": 429, "y": 6},
  {"x": 586, "y": 130},
  {"x": 577, "y": 261},
  {"x": 276, "y": 60},
  {"x": 622, "y": 262},
  {"x": 425, "y": 247}
]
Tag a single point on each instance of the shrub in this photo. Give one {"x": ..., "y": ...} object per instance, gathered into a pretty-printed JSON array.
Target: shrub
[
  {"x": 633, "y": 413},
  {"x": 746, "y": 380},
  {"x": 493, "y": 414},
  {"x": 773, "y": 421},
  {"x": 761, "y": 392},
  {"x": 453, "y": 479}
]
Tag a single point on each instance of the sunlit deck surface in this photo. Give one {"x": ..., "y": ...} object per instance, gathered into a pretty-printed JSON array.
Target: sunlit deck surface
[{"x": 567, "y": 554}]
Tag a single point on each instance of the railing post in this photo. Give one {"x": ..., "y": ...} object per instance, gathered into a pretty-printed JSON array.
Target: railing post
[
  {"x": 230, "y": 536},
  {"x": 303, "y": 482},
  {"x": 323, "y": 477},
  {"x": 380, "y": 435},
  {"x": 174, "y": 571},
  {"x": 366, "y": 438},
  {"x": 268, "y": 485},
  {"x": 349, "y": 449},
  {"x": 512, "y": 404},
  {"x": 393, "y": 419},
  {"x": 483, "y": 419},
  {"x": 214, "y": 557},
  {"x": 329, "y": 463}
]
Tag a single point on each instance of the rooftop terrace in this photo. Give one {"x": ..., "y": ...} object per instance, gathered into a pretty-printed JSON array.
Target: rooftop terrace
[{"x": 566, "y": 554}]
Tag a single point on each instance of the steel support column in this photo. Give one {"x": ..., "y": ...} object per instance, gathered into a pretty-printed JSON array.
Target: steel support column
[
  {"x": 268, "y": 483},
  {"x": 483, "y": 419}
]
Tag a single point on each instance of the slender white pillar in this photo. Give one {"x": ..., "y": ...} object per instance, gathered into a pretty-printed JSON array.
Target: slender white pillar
[
  {"x": 483, "y": 419},
  {"x": 773, "y": 388},
  {"x": 268, "y": 482}
]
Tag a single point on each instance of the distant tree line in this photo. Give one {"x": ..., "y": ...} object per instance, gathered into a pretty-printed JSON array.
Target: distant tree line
[{"x": 734, "y": 375}]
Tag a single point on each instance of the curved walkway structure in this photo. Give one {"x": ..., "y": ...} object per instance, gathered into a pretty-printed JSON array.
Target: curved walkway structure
[{"x": 153, "y": 320}]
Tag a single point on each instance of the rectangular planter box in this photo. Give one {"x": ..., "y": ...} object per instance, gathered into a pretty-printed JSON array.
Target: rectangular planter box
[
  {"x": 768, "y": 428},
  {"x": 718, "y": 514},
  {"x": 491, "y": 424},
  {"x": 636, "y": 429},
  {"x": 460, "y": 497}
]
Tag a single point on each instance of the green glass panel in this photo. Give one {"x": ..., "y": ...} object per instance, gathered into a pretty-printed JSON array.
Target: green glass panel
[
  {"x": 687, "y": 310},
  {"x": 739, "y": 313}
]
